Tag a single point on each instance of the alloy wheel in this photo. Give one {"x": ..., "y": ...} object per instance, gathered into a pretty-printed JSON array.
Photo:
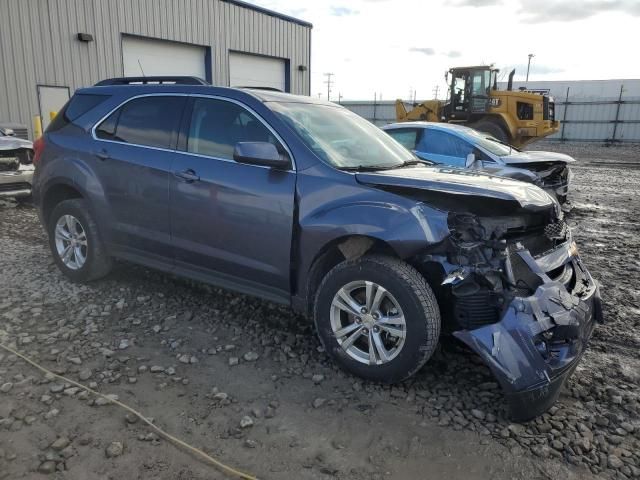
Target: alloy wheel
[
  {"x": 71, "y": 242},
  {"x": 368, "y": 322}
]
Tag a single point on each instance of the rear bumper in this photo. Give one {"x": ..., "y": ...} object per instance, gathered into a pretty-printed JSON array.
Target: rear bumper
[
  {"x": 539, "y": 340},
  {"x": 16, "y": 183}
]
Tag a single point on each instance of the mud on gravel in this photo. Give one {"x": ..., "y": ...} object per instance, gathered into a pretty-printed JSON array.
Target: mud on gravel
[{"x": 247, "y": 381}]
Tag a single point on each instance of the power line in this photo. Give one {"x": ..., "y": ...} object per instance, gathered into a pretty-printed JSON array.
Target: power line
[{"x": 329, "y": 82}]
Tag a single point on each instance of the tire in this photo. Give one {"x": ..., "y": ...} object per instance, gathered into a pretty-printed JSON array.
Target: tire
[
  {"x": 406, "y": 289},
  {"x": 493, "y": 129},
  {"x": 97, "y": 262}
]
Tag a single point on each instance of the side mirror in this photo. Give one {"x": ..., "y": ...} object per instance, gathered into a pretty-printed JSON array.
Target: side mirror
[
  {"x": 260, "y": 153},
  {"x": 471, "y": 159}
]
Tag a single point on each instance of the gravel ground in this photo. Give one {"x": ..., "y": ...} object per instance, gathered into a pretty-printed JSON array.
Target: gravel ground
[{"x": 248, "y": 382}]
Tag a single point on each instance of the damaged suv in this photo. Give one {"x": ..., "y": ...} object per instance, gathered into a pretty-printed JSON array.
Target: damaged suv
[{"x": 304, "y": 203}]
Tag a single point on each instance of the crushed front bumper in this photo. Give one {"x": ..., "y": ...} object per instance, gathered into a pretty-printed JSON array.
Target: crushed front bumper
[{"x": 539, "y": 339}]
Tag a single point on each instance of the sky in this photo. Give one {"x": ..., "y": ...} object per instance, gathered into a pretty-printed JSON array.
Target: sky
[{"x": 391, "y": 48}]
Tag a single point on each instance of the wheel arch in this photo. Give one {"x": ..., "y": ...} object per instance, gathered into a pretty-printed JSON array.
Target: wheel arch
[
  {"x": 55, "y": 194},
  {"x": 346, "y": 247}
]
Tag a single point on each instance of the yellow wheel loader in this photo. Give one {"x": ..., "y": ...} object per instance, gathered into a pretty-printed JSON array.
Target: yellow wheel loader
[{"x": 514, "y": 117}]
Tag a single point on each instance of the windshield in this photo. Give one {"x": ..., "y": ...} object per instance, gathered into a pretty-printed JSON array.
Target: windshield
[
  {"x": 342, "y": 138},
  {"x": 492, "y": 145}
]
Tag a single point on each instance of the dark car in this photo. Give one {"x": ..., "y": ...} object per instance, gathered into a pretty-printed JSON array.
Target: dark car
[
  {"x": 304, "y": 203},
  {"x": 464, "y": 147}
]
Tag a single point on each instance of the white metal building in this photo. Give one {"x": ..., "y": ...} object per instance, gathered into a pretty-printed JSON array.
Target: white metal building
[
  {"x": 594, "y": 110},
  {"x": 589, "y": 110},
  {"x": 49, "y": 48}
]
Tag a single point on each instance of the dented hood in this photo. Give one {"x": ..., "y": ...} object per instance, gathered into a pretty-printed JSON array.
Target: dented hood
[
  {"x": 459, "y": 182},
  {"x": 14, "y": 143},
  {"x": 534, "y": 157}
]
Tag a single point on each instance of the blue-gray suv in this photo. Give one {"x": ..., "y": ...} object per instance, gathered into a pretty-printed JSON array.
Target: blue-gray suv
[{"x": 304, "y": 203}]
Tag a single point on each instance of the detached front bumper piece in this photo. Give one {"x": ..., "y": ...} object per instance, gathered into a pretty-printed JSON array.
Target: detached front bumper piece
[{"x": 539, "y": 339}]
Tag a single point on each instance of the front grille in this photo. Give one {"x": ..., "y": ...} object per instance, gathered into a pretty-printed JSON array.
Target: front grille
[
  {"x": 557, "y": 231},
  {"x": 10, "y": 187}
]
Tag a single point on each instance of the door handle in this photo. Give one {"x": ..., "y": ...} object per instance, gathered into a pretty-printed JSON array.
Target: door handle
[
  {"x": 103, "y": 154},
  {"x": 188, "y": 176}
]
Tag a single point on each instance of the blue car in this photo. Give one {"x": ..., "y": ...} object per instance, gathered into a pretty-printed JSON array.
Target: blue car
[
  {"x": 464, "y": 147},
  {"x": 304, "y": 203}
]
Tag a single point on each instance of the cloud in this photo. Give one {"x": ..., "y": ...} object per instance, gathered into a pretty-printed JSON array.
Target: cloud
[
  {"x": 425, "y": 51},
  {"x": 477, "y": 3},
  {"x": 453, "y": 54},
  {"x": 541, "y": 11},
  {"x": 343, "y": 11}
]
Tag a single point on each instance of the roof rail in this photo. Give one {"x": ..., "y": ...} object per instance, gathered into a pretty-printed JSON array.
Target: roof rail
[
  {"x": 269, "y": 89},
  {"x": 173, "y": 80}
]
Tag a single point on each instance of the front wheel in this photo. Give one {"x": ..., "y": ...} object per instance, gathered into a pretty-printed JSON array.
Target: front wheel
[{"x": 377, "y": 317}]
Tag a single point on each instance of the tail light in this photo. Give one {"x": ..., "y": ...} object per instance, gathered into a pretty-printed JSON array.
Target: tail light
[{"x": 38, "y": 148}]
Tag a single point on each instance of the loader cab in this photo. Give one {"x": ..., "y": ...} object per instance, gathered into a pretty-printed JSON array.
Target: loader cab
[{"x": 469, "y": 92}]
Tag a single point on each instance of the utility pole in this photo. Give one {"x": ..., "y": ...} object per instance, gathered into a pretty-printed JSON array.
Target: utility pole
[
  {"x": 328, "y": 81},
  {"x": 531, "y": 55},
  {"x": 435, "y": 91},
  {"x": 339, "y": 98}
]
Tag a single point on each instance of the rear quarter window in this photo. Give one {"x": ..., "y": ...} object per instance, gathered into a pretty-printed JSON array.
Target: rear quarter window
[
  {"x": 148, "y": 121},
  {"x": 77, "y": 106},
  {"x": 407, "y": 137}
]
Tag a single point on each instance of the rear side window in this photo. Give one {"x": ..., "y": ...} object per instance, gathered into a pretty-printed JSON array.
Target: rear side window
[
  {"x": 79, "y": 104},
  {"x": 216, "y": 126},
  {"x": 149, "y": 121},
  {"x": 405, "y": 137}
]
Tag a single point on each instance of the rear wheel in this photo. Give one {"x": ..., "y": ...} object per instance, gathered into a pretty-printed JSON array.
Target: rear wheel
[
  {"x": 493, "y": 129},
  {"x": 75, "y": 243},
  {"x": 378, "y": 318}
]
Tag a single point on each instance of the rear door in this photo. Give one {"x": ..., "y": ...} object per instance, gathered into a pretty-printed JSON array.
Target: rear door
[
  {"x": 134, "y": 151},
  {"x": 231, "y": 221}
]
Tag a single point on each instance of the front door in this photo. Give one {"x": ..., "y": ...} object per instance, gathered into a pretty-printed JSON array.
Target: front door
[
  {"x": 480, "y": 87},
  {"x": 231, "y": 222}
]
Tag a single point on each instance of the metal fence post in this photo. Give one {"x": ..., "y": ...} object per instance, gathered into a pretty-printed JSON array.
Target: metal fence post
[
  {"x": 616, "y": 121},
  {"x": 375, "y": 98},
  {"x": 564, "y": 116}
]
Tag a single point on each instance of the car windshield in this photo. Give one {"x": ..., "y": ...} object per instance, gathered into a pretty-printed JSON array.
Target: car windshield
[
  {"x": 491, "y": 144},
  {"x": 342, "y": 138}
]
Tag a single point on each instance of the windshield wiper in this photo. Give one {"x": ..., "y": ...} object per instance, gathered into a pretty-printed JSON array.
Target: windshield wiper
[
  {"x": 408, "y": 163},
  {"x": 367, "y": 168}
]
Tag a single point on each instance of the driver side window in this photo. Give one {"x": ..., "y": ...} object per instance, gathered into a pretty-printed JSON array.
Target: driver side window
[{"x": 217, "y": 125}]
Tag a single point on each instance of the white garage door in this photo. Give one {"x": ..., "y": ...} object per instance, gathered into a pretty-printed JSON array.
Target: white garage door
[
  {"x": 247, "y": 70},
  {"x": 150, "y": 56}
]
